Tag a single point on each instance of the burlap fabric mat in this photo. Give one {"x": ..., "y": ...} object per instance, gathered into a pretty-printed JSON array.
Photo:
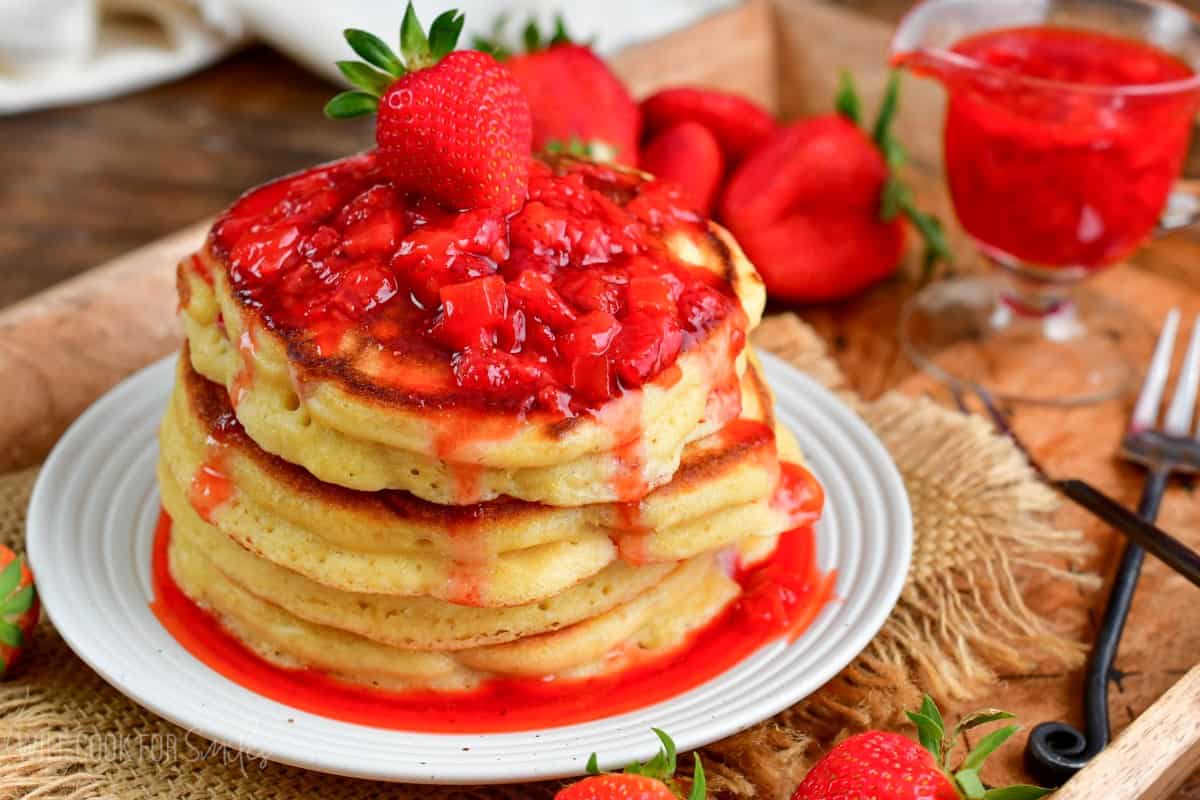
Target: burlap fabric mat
[{"x": 979, "y": 514}]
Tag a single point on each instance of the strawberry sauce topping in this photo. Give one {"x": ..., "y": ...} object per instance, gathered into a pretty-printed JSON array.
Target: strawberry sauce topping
[{"x": 558, "y": 307}]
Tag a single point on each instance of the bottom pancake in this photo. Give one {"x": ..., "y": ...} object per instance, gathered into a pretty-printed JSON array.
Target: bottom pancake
[{"x": 651, "y": 623}]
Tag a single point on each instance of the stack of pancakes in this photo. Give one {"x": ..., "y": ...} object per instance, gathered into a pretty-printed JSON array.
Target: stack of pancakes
[{"x": 345, "y": 508}]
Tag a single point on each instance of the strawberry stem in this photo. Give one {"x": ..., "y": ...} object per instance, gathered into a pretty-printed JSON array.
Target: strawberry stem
[
  {"x": 896, "y": 198},
  {"x": 699, "y": 783},
  {"x": 847, "y": 102},
  {"x": 931, "y": 729}
]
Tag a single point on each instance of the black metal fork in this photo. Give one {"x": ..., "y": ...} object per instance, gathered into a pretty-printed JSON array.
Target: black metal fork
[{"x": 1056, "y": 750}]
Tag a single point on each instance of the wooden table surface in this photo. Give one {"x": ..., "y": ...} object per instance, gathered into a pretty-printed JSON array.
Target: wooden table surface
[{"x": 134, "y": 169}]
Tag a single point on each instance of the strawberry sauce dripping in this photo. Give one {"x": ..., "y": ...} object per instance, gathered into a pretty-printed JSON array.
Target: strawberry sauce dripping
[
  {"x": 244, "y": 378},
  {"x": 210, "y": 487},
  {"x": 781, "y": 597}
]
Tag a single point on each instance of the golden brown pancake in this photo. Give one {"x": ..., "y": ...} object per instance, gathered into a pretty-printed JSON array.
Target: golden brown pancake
[{"x": 504, "y": 552}]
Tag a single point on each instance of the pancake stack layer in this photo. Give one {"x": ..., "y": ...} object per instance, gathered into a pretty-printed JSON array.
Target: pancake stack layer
[{"x": 341, "y": 501}]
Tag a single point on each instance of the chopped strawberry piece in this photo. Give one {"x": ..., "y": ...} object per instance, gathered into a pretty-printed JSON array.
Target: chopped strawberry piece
[
  {"x": 264, "y": 251},
  {"x": 377, "y": 234},
  {"x": 591, "y": 290},
  {"x": 592, "y": 377},
  {"x": 654, "y": 292},
  {"x": 365, "y": 287},
  {"x": 591, "y": 335},
  {"x": 646, "y": 345},
  {"x": 472, "y": 311},
  {"x": 534, "y": 292}
]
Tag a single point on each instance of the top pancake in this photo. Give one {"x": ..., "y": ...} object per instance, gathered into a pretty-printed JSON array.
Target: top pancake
[{"x": 361, "y": 415}]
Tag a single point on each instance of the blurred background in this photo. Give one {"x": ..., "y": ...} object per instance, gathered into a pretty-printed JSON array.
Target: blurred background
[{"x": 124, "y": 120}]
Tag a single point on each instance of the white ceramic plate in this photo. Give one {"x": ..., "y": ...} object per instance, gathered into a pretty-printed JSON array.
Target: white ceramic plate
[{"x": 91, "y": 526}]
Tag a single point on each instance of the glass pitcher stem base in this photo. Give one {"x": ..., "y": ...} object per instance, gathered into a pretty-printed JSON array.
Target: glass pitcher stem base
[{"x": 1054, "y": 347}]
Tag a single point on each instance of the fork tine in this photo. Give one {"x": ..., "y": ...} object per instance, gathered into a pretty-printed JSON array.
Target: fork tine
[
  {"x": 1178, "y": 421},
  {"x": 1146, "y": 411}
]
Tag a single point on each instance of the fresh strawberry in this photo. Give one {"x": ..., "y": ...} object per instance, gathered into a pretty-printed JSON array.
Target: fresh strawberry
[
  {"x": 453, "y": 126},
  {"x": 578, "y": 104},
  {"x": 689, "y": 155},
  {"x": 653, "y": 780},
  {"x": 739, "y": 124},
  {"x": 818, "y": 207},
  {"x": 887, "y": 766},
  {"x": 18, "y": 608}
]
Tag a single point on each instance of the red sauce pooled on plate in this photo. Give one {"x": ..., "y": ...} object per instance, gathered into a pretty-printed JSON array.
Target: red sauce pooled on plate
[
  {"x": 1070, "y": 174},
  {"x": 558, "y": 307},
  {"x": 781, "y": 597}
]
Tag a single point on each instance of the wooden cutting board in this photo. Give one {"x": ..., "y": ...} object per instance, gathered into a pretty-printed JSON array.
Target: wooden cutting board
[{"x": 59, "y": 350}]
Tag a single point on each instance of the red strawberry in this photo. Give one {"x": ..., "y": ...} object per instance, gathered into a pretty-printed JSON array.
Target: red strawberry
[
  {"x": 887, "y": 766},
  {"x": 617, "y": 787},
  {"x": 689, "y": 155},
  {"x": 578, "y": 104},
  {"x": 818, "y": 208},
  {"x": 818, "y": 257},
  {"x": 653, "y": 780},
  {"x": 18, "y": 608},
  {"x": 453, "y": 126},
  {"x": 739, "y": 124}
]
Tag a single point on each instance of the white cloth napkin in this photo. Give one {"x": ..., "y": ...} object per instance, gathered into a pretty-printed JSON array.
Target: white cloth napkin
[{"x": 57, "y": 52}]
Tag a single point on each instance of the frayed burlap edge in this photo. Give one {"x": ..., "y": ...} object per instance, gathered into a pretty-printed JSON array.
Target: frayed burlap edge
[{"x": 979, "y": 512}]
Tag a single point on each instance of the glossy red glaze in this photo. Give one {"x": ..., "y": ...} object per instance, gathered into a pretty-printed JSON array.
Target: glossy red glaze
[
  {"x": 1073, "y": 173},
  {"x": 559, "y": 306},
  {"x": 211, "y": 487},
  {"x": 782, "y": 597}
]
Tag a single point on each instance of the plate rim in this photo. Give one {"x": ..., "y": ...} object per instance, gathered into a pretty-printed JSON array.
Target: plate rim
[{"x": 894, "y": 498}]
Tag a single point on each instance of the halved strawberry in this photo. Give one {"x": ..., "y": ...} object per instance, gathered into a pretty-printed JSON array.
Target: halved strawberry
[
  {"x": 689, "y": 155},
  {"x": 453, "y": 126},
  {"x": 738, "y": 123},
  {"x": 579, "y": 106},
  {"x": 654, "y": 780},
  {"x": 19, "y": 608}
]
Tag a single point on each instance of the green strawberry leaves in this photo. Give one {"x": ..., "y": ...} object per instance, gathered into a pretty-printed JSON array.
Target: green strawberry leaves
[
  {"x": 662, "y": 767},
  {"x": 14, "y": 602},
  {"x": 374, "y": 51},
  {"x": 847, "y": 102},
  {"x": 382, "y": 66},
  {"x": 931, "y": 730},
  {"x": 10, "y": 576},
  {"x": 11, "y": 635},
  {"x": 532, "y": 38},
  {"x": 897, "y": 197}
]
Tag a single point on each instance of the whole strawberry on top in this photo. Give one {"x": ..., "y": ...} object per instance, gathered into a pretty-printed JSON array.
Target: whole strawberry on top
[
  {"x": 453, "y": 126},
  {"x": 654, "y": 780},
  {"x": 18, "y": 608},
  {"x": 887, "y": 766},
  {"x": 578, "y": 104}
]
